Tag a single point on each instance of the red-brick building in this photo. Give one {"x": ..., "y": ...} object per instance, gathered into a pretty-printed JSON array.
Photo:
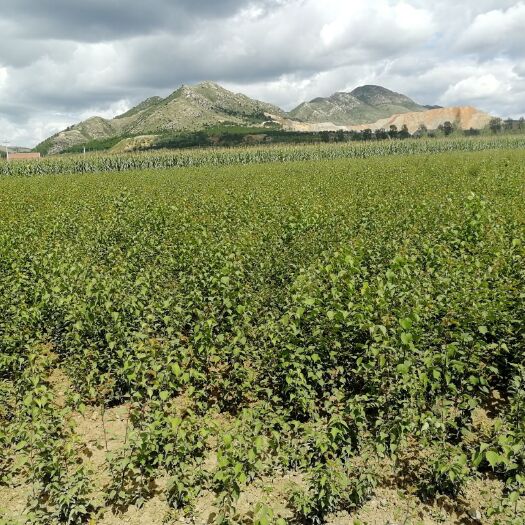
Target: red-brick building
[{"x": 23, "y": 156}]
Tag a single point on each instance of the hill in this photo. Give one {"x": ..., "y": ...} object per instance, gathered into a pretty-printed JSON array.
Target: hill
[
  {"x": 465, "y": 117},
  {"x": 363, "y": 104},
  {"x": 207, "y": 107},
  {"x": 189, "y": 108}
]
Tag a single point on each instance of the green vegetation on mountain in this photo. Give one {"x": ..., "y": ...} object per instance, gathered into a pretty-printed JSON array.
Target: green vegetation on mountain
[
  {"x": 363, "y": 105},
  {"x": 189, "y": 108},
  {"x": 209, "y": 115},
  {"x": 147, "y": 105}
]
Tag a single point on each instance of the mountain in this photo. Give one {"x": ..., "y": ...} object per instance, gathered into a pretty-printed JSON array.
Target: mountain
[
  {"x": 465, "y": 117},
  {"x": 189, "y": 108},
  {"x": 195, "y": 108},
  {"x": 363, "y": 104}
]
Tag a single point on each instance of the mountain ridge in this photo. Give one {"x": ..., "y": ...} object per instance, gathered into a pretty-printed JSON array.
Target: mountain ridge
[
  {"x": 364, "y": 104},
  {"x": 188, "y": 108},
  {"x": 463, "y": 117},
  {"x": 195, "y": 108}
]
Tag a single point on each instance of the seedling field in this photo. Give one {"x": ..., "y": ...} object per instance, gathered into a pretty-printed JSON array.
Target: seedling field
[{"x": 315, "y": 341}]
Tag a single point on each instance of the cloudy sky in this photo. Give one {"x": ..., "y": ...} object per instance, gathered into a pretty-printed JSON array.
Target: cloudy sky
[{"x": 64, "y": 60}]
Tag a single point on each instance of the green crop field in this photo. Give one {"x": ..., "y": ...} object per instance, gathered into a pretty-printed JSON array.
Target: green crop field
[
  {"x": 326, "y": 340},
  {"x": 176, "y": 158}
]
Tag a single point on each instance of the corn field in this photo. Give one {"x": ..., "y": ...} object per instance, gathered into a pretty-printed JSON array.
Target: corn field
[{"x": 250, "y": 155}]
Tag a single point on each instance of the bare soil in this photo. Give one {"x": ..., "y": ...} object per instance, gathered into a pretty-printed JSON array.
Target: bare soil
[{"x": 102, "y": 433}]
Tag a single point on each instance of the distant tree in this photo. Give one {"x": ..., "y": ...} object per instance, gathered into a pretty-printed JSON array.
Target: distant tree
[
  {"x": 392, "y": 133},
  {"x": 381, "y": 134},
  {"x": 367, "y": 134},
  {"x": 495, "y": 125},
  {"x": 340, "y": 135},
  {"x": 404, "y": 133},
  {"x": 508, "y": 124},
  {"x": 471, "y": 132},
  {"x": 422, "y": 129},
  {"x": 325, "y": 136},
  {"x": 448, "y": 128},
  {"x": 521, "y": 123}
]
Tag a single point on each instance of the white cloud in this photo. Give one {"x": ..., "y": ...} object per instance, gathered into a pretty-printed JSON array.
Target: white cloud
[
  {"x": 358, "y": 23},
  {"x": 33, "y": 130},
  {"x": 498, "y": 30},
  {"x": 98, "y": 64},
  {"x": 474, "y": 88},
  {"x": 117, "y": 108}
]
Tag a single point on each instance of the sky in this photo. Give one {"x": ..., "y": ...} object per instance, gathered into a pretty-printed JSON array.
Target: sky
[{"x": 62, "y": 61}]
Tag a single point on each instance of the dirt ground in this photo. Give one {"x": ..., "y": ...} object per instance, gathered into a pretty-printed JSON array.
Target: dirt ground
[{"x": 104, "y": 433}]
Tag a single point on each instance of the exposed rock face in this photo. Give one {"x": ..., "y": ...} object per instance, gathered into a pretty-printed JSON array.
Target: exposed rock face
[
  {"x": 463, "y": 117},
  {"x": 289, "y": 124},
  {"x": 192, "y": 108}
]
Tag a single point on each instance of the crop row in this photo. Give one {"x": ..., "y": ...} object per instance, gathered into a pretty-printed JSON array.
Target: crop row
[
  {"x": 250, "y": 155},
  {"x": 346, "y": 324}
]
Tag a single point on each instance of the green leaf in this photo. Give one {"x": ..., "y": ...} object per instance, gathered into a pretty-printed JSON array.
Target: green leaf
[
  {"x": 514, "y": 496},
  {"x": 164, "y": 395},
  {"x": 493, "y": 458},
  {"x": 175, "y": 368},
  {"x": 403, "y": 368},
  {"x": 406, "y": 323},
  {"x": 406, "y": 338}
]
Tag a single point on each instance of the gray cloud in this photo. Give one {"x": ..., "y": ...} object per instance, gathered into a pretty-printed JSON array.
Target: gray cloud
[
  {"x": 63, "y": 60},
  {"x": 106, "y": 20}
]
